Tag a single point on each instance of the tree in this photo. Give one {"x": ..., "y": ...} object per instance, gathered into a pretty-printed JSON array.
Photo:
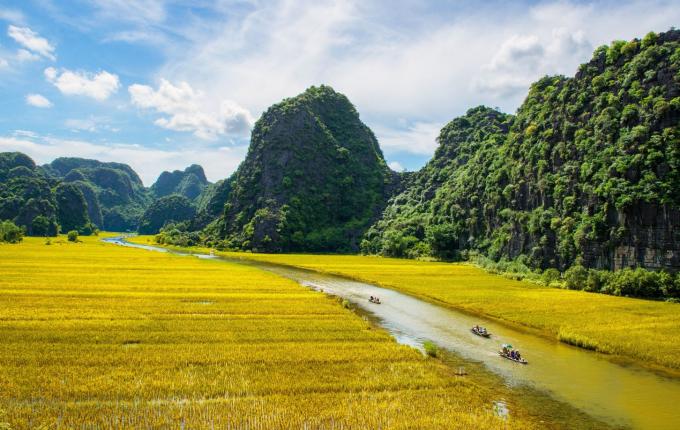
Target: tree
[
  {"x": 10, "y": 232},
  {"x": 72, "y": 236}
]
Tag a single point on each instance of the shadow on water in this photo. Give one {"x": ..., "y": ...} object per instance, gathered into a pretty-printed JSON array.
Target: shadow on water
[{"x": 589, "y": 383}]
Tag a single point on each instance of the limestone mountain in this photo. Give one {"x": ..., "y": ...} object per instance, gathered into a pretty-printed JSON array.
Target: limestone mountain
[
  {"x": 189, "y": 183},
  {"x": 314, "y": 179},
  {"x": 587, "y": 171},
  {"x": 114, "y": 192}
]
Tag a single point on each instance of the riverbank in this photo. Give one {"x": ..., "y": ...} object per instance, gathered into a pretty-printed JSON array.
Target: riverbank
[
  {"x": 101, "y": 334},
  {"x": 643, "y": 331}
]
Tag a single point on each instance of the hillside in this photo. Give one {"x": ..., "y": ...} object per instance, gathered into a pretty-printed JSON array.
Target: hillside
[
  {"x": 587, "y": 171},
  {"x": 39, "y": 203},
  {"x": 189, "y": 183},
  {"x": 114, "y": 192},
  {"x": 314, "y": 179}
]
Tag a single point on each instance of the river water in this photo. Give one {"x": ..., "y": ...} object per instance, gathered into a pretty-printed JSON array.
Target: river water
[{"x": 627, "y": 396}]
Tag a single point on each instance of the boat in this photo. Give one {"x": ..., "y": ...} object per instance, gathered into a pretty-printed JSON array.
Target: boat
[
  {"x": 505, "y": 353},
  {"x": 374, "y": 300},
  {"x": 479, "y": 332}
]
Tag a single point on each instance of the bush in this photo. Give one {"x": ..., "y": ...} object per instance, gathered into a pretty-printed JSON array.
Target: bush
[
  {"x": 430, "y": 348},
  {"x": 72, "y": 236},
  {"x": 575, "y": 277},
  {"x": 10, "y": 233},
  {"x": 639, "y": 283},
  {"x": 550, "y": 275}
]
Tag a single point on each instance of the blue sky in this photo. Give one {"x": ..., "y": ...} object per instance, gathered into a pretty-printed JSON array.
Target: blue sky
[{"x": 161, "y": 84}]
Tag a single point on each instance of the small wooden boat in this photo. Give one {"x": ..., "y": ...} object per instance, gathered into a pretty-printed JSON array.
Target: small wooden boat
[
  {"x": 507, "y": 356},
  {"x": 478, "y": 332},
  {"x": 374, "y": 300}
]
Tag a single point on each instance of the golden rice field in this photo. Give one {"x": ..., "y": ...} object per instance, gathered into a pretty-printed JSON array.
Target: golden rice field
[
  {"x": 645, "y": 331},
  {"x": 99, "y": 336}
]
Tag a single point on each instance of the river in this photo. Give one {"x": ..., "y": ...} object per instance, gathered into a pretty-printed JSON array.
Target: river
[{"x": 621, "y": 395}]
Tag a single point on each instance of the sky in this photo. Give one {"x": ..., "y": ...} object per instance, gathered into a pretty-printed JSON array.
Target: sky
[{"x": 162, "y": 84}]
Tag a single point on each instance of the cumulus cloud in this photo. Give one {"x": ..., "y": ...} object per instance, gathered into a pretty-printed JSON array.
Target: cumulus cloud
[
  {"x": 396, "y": 166},
  {"x": 98, "y": 86},
  {"x": 30, "y": 40},
  {"x": 185, "y": 109},
  {"x": 38, "y": 100},
  {"x": 521, "y": 58},
  {"x": 419, "y": 138},
  {"x": 24, "y": 55},
  {"x": 218, "y": 163},
  {"x": 392, "y": 67}
]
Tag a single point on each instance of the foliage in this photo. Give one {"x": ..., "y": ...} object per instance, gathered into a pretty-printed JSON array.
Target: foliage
[
  {"x": 587, "y": 171},
  {"x": 430, "y": 348},
  {"x": 177, "y": 234},
  {"x": 72, "y": 236},
  {"x": 71, "y": 208},
  {"x": 313, "y": 180},
  {"x": 10, "y": 233},
  {"x": 169, "y": 209},
  {"x": 189, "y": 183}
]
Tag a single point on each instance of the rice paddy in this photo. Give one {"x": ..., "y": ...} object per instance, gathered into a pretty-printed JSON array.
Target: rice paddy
[
  {"x": 645, "y": 331},
  {"x": 99, "y": 336}
]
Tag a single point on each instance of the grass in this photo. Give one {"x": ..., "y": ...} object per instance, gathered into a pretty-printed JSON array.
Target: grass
[
  {"x": 99, "y": 336},
  {"x": 645, "y": 331}
]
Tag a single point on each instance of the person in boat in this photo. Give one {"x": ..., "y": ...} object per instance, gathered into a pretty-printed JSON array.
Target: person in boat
[
  {"x": 517, "y": 356},
  {"x": 505, "y": 350},
  {"x": 371, "y": 299}
]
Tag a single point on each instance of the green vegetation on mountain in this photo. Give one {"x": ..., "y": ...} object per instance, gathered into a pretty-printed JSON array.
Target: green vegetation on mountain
[
  {"x": 189, "y": 183},
  {"x": 313, "y": 180},
  {"x": 72, "y": 208},
  {"x": 210, "y": 204},
  {"x": 26, "y": 195},
  {"x": 587, "y": 173},
  {"x": 116, "y": 196},
  {"x": 169, "y": 209}
]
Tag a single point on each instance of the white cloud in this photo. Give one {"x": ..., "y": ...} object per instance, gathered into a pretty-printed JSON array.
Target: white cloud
[
  {"x": 24, "y": 55},
  {"x": 403, "y": 63},
  {"x": 189, "y": 110},
  {"x": 147, "y": 162},
  {"x": 38, "y": 100},
  {"x": 3, "y": 64},
  {"x": 12, "y": 15},
  {"x": 420, "y": 138},
  {"x": 396, "y": 166},
  {"x": 30, "y": 40},
  {"x": 99, "y": 86}
]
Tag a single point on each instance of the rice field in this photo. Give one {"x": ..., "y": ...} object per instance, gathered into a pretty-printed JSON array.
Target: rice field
[
  {"x": 647, "y": 332},
  {"x": 99, "y": 336}
]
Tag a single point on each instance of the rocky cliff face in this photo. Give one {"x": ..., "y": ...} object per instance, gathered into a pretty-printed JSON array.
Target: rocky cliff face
[
  {"x": 189, "y": 183},
  {"x": 587, "y": 171},
  {"x": 313, "y": 180},
  {"x": 114, "y": 192}
]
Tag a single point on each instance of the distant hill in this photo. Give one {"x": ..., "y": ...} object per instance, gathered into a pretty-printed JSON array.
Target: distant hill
[
  {"x": 587, "y": 171},
  {"x": 314, "y": 179},
  {"x": 115, "y": 194},
  {"x": 189, "y": 183},
  {"x": 33, "y": 200}
]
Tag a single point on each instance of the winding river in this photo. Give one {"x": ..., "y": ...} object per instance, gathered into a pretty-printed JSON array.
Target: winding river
[{"x": 623, "y": 396}]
